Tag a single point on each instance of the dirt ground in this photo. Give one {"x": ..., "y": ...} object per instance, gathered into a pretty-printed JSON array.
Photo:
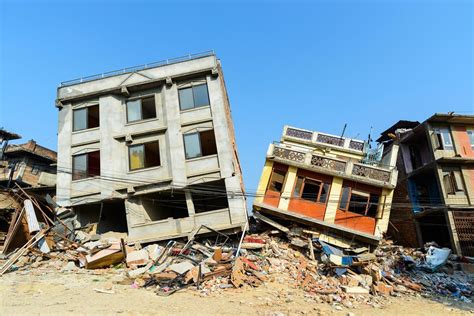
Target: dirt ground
[{"x": 73, "y": 292}]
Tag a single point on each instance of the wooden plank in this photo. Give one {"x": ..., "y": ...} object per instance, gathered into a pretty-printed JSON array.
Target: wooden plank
[
  {"x": 33, "y": 224},
  {"x": 21, "y": 251},
  {"x": 13, "y": 229},
  {"x": 270, "y": 222}
]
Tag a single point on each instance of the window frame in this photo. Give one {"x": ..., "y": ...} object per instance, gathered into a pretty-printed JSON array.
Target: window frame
[
  {"x": 140, "y": 98},
  {"x": 194, "y": 84},
  {"x": 379, "y": 211},
  {"x": 144, "y": 155},
  {"x": 200, "y": 143},
  {"x": 439, "y": 133},
  {"x": 470, "y": 135},
  {"x": 87, "y": 176},
  {"x": 86, "y": 108},
  {"x": 271, "y": 177},
  {"x": 35, "y": 170},
  {"x": 455, "y": 186},
  {"x": 318, "y": 197}
]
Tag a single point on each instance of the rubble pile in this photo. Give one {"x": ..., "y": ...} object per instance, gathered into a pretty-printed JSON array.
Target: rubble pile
[{"x": 325, "y": 268}]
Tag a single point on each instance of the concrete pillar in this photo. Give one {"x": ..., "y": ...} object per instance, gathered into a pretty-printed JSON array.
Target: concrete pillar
[
  {"x": 263, "y": 183},
  {"x": 288, "y": 188},
  {"x": 333, "y": 201},
  {"x": 174, "y": 137},
  {"x": 381, "y": 225},
  {"x": 64, "y": 176},
  {"x": 189, "y": 203}
]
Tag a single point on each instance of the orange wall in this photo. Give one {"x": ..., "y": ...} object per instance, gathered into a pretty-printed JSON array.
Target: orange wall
[
  {"x": 462, "y": 140},
  {"x": 471, "y": 176}
]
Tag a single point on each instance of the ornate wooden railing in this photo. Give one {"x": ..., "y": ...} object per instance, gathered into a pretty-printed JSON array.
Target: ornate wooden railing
[
  {"x": 288, "y": 154},
  {"x": 299, "y": 133},
  {"x": 328, "y": 163},
  {"x": 356, "y": 145},
  {"x": 371, "y": 173},
  {"x": 331, "y": 140}
]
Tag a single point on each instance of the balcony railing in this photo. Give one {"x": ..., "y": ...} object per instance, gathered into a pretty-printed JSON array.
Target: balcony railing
[
  {"x": 371, "y": 172},
  {"x": 334, "y": 166},
  {"x": 316, "y": 137},
  {"x": 293, "y": 132},
  {"x": 328, "y": 163},
  {"x": 288, "y": 154}
]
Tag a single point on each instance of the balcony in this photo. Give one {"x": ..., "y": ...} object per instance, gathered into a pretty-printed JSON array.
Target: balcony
[
  {"x": 315, "y": 138},
  {"x": 356, "y": 171}
]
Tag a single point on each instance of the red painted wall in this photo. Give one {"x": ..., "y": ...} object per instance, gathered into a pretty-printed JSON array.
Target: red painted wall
[
  {"x": 357, "y": 221},
  {"x": 462, "y": 140}
]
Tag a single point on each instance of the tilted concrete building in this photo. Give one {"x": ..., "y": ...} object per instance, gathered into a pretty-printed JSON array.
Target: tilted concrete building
[
  {"x": 151, "y": 150},
  {"x": 332, "y": 183}
]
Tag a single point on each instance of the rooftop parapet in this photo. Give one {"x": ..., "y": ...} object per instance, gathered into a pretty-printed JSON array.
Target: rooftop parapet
[{"x": 317, "y": 138}]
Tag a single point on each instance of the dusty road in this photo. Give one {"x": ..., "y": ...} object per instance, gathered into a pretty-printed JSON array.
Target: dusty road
[{"x": 74, "y": 293}]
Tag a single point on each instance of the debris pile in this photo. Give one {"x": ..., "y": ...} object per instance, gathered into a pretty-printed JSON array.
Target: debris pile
[{"x": 324, "y": 267}]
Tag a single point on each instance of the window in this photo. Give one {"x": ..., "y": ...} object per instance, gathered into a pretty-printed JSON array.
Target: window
[
  {"x": 470, "y": 134},
  {"x": 453, "y": 183},
  {"x": 311, "y": 190},
  {"x": 86, "y": 118},
  {"x": 277, "y": 179},
  {"x": 359, "y": 202},
  {"x": 200, "y": 144},
  {"x": 86, "y": 165},
  {"x": 35, "y": 170},
  {"x": 193, "y": 97},
  {"x": 141, "y": 109},
  {"x": 144, "y": 155},
  {"x": 443, "y": 139}
]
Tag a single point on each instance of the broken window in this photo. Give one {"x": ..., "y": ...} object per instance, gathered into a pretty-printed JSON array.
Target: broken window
[
  {"x": 141, "y": 109},
  {"x": 443, "y": 139},
  {"x": 86, "y": 165},
  {"x": 452, "y": 180},
  {"x": 200, "y": 144},
  {"x": 359, "y": 202},
  {"x": 210, "y": 196},
  {"x": 86, "y": 118},
  {"x": 311, "y": 190},
  {"x": 277, "y": 179},
  {"x": 144, "y": 155},
  {"x": 193, "y": 97}
]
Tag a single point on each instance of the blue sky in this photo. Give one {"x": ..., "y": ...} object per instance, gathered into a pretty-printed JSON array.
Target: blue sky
[{"x": 315, "y": 65}]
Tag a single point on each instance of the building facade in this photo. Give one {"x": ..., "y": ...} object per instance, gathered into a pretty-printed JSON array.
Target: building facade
[
  {"x": 28, "y": 164},
  {"x": 330, "y": 182},
  {"x": 152, "y": 149},
  {"x": 436, "y": 164}
]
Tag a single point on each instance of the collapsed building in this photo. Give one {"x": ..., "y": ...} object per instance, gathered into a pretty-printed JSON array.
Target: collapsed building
[
  {"x": 333, "y": 183},
  {"x": 28, "y": 165},
  {"x": 150, "y": 150},
  {"x": 436, "y": 165}
]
